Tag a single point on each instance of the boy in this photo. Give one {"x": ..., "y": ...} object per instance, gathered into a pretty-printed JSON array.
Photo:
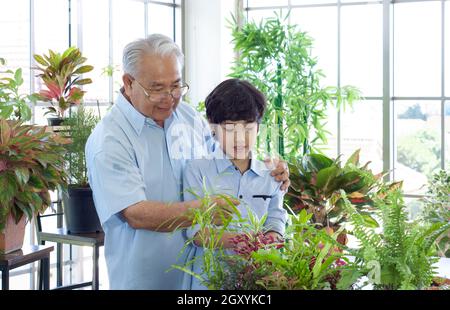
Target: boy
[{"x": 234, "y": 110}]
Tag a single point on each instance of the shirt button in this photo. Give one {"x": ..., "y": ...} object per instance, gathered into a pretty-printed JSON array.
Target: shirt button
[{"x": 240, "y": 196}]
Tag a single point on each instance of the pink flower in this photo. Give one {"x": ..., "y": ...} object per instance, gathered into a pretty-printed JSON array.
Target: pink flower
[{"x": 3, "y": 165}]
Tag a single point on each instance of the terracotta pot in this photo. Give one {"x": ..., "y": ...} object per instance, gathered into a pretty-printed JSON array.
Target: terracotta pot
[{"x": 11, "y": 239}]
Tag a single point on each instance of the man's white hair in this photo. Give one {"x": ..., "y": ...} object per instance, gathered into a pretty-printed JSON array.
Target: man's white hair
[{"x": 155, "y": 44}]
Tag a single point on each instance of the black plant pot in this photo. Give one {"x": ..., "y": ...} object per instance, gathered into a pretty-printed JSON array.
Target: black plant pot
[
  {"x": 55, "y": 121},
  {"x": 79, "y": 211}
]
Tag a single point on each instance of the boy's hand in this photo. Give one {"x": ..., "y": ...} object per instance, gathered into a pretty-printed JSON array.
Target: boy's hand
[{"x": 280, "y": 172}]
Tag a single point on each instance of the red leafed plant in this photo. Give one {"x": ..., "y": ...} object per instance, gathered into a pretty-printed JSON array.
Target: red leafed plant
[
  {"x": 61, "y": 74},
  {"x": 31, "y": 164}
]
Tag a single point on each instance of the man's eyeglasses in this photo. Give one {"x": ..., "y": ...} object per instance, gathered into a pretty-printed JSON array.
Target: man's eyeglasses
[{"x": 159, "y": 95}]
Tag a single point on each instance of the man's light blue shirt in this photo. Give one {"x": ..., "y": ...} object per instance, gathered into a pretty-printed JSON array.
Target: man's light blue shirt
[
  {"x": 256, "y": 188},
  {"x": 131, "y": 159}
]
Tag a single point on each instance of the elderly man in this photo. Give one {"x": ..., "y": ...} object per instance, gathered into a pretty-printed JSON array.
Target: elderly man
[{"x": 135, "y": 159}]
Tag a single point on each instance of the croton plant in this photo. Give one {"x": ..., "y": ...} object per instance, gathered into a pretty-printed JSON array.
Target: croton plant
[
  {"x": 31, "y": 165},
  {"x": 62, "y": 76},
  {"x": 316, "y": 184}
]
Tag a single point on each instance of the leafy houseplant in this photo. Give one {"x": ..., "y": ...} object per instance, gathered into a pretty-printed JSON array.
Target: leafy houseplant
[
  {"x": 276, "y": 58},
  {"x": 61, "y": 74},
  {"x": 316, "y": 184},
  {"x": 437, "y": 207},
  {"x": 12, "y": 103},
  {"x": 79, "y": 208},
  {"x": 31, "y": 165},
  {"x": 402, "y": 257}
]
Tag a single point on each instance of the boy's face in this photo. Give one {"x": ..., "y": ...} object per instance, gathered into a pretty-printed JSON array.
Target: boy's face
[{"x": 236, "y": 138}]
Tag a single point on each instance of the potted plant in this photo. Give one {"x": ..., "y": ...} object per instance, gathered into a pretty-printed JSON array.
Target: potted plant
[
  {"x": 78, "y": 204},
  {"x": 31, "y": 165},
  {"x": 402, "y": 256},
  {"x": 62, "y": 76},
  {"x": 316, "y": 184},
  {"x": 276, "y": 58},
  {"x": 437, "y": 207},
  {"x": 13, "y": 105}
]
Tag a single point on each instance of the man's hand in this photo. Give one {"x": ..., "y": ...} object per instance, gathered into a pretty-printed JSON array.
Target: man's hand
[
  {"x": 223, "y": 209},
  {"x": 280, "y": 172}
]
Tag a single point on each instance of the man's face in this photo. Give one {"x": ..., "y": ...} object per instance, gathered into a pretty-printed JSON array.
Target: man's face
[{"x": 156, "y": 75}]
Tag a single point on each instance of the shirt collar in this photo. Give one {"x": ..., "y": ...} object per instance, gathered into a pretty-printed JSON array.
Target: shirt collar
[
  {"x": 134, "y": 117},
  {"x": 138, "y": 120},
  {"x": 223, "y": 162}
]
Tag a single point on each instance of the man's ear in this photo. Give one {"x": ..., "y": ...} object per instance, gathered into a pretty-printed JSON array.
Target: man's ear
[{"x": 127, "y": 81}]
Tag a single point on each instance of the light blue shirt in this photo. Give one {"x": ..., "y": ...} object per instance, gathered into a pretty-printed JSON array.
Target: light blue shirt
[
  {"x": 256, "y": 188},
  {"x": 131, "y": 159}
]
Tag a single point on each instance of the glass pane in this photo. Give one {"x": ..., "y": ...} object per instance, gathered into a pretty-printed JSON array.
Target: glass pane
[
  {"x": 414, "y": 207},
  {"x": 265, "y": 3},
  {"x": 447, "y": 49},
  {"x": 417, "y": 49},
  {"x": 321, "y": 25},
  {"x": 128, "y": 25},
  {"x": 15, "y": 45},
  {"x": 178, "y": 27},
  {"x": 160, "y": 19},
  {"x": 350, "y": 1},
  {"x": 259, "y": 15},
  {"x": 362, "y": 128},
  {"x": 95, "y": 29},
  {"x": 51, "y": 33},
  {"x": 362, "y": 48},
  {"x": 417, "y": 130},
  {"x": 310, "y": 2}
]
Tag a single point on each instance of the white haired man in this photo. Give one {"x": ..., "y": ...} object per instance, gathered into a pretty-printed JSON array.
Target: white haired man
[{"x": 135, "y": 159}]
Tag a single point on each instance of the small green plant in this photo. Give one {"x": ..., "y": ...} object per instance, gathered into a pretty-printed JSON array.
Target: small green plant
[
  {"x": 31, "y": 165},
  {"x": 13, "y": 104},
  {"x": 402, "y": 256},
  {"x": 80, "y": 125},
  {"x": 61, "y": 74}
]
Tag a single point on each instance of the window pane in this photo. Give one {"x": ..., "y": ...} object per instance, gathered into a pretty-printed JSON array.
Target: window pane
[
  {"x": 95, "y": 29},
  {"x": 362, "y": 128},
  {"x": 350, "y": 1},
  {"x": 302, "y": 2},
  {"x": 265, "y": 3},
  {"x": 51, "y": 33},
  {"x": 128, "y": 25},
  {"x": 321, "y": 24},
  {"x": 362, "y": 48},
  {"x": 259, "y": 15},
  {"x": 447, "y": 49},
  {"x": 417, "y": 49},
  {"x": 178, "y": 27},
  {"x": 160, "y": 19},
  {"x": 417, "y": 130},
  {"x": 15, "y": 45}
]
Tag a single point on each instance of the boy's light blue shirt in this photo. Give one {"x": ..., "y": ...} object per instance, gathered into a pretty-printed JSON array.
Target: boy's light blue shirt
[
  {"x": 131, "y": 159},
  {"x": 222, "y": 177}
]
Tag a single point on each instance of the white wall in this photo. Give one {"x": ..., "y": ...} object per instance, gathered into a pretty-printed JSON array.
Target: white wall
[{"x": 208, "y": 49}]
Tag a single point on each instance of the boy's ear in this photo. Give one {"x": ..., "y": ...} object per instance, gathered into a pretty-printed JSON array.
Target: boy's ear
[{"x": 213, "y": 128}]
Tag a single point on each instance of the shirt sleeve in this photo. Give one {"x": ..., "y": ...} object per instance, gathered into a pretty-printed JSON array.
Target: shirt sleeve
[
  {"x": 192, "y": 189},
  {"x": 276, "y": 214},
  {"x": 115, "y": 180}
]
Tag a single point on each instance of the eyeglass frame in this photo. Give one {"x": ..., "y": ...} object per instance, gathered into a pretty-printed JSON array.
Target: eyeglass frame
[{"x": 147, "y": 95}]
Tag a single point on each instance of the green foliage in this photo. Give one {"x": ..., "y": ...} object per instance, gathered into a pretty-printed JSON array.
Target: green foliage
[
  {"x": 437, "y": 206},
  {"x": 13, "y": 104},
  {"x": 31, "y": 164},
  {"x": 81, "y": 123},
  {"x": 413, "y": 112},
  {"x": 401, "y": 257},
  {"x": 421, "y": 151},
  {"x": 276, "y": 58},
  {"x": 316, "y": 184},
  {"x": 62, "y": 75}
]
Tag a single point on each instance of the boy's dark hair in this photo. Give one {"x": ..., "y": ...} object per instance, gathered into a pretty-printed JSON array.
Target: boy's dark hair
[{"x": 235, "y": 100}]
